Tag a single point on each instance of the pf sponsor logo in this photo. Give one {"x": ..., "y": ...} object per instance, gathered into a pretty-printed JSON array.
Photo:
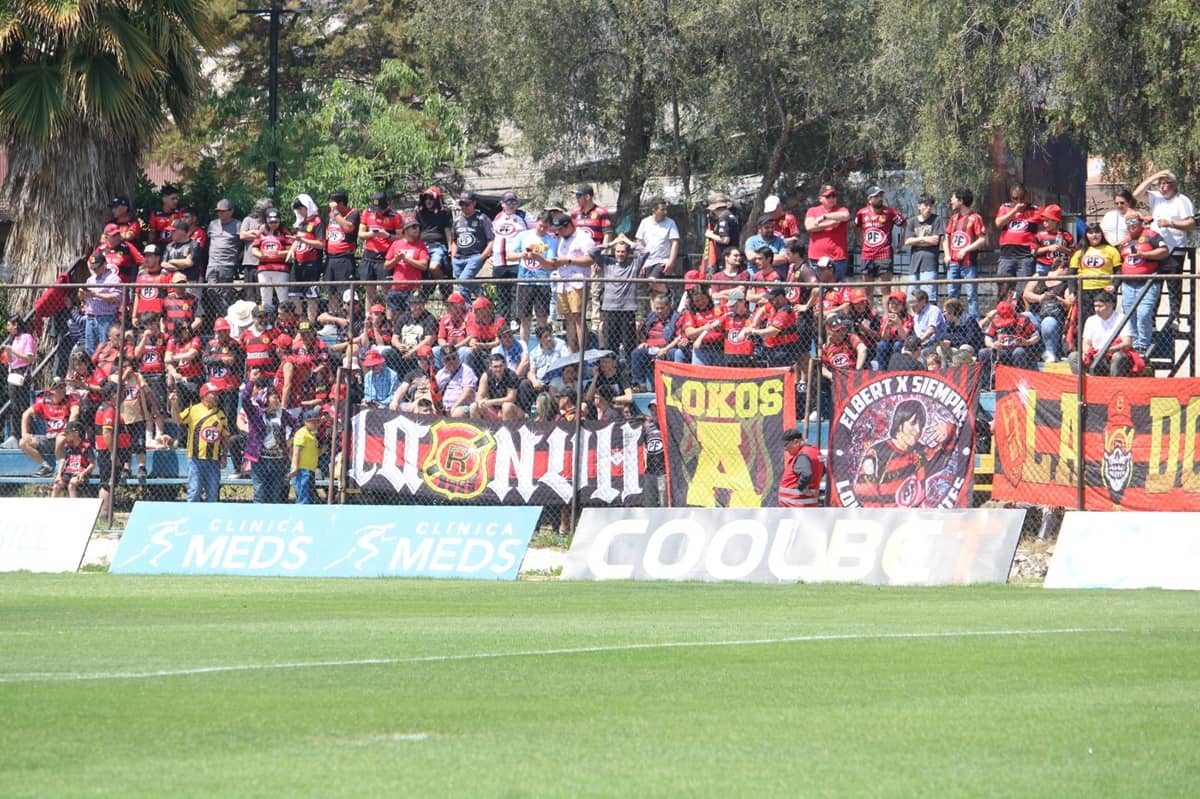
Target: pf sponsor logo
[{"x": 456, "y": 466}]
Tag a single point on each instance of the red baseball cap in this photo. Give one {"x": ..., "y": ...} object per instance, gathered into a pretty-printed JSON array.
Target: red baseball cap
[
  {"x": 221, "y": 324},
  {"x": 112, "y": 229},
  {"x": 207, "y": 389}
]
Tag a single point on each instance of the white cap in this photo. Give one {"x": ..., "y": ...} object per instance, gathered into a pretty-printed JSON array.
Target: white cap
[
  {"x": 348, "y": 295},
  {"x": 771, "y": 204}
]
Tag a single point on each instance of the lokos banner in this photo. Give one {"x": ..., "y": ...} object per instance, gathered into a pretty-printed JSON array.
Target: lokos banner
[
  {"x": 777, "y": 545},
  {"x": 325, "y": 540},
  {"x": 1139, "y": 441},
  {"x": 430, "y": 459},
  {"x": 903, "y": 439},
  {"x": 723, "y": 433}
]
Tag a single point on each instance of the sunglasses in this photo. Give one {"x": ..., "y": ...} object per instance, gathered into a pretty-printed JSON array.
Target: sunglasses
[{"x": 509, "y": 202}]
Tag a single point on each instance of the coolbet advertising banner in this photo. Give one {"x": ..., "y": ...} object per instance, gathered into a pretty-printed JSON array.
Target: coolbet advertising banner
[
  {"x": 786, "y": 545},
  {"x": 903, "y": 439},
  {"x": 44, "y": 534},
  {"x": 436, "y": 460},
  {"x": 325, "y": 540},
  {"x": 723, "y": 433},
  {"x": 1139, "y": 441}
]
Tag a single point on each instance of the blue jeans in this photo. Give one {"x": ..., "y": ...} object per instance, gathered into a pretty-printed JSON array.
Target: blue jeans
[
  {"x": 303, "y": 482},
  {"x": 1052, "y": 330},
  {"x": 204, "y": 480},
  {"x": 466, "y": 269},
  {"x": 930, "y": 288},
  {"x": 884, "y": 351},
  {"x": 641, "y": 362},
  {"x": 268, "y": 476},
  {"x": 437, "y": 254},
  {"x": 1141, "y": 321},
  {"x": 705, "y": 356},
  {"x": 956, "y": 271},
  {"x": 95, "y": 331},
  {"x": 839, "y": 269}
]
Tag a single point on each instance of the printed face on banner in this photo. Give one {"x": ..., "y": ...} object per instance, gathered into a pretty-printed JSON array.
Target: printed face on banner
[{"x": 904, "y": 439}]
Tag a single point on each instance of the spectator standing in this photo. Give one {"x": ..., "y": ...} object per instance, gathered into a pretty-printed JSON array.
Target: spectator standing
[
  {"x": 724, "y": 230},
  {"x": 472, "y": 244},
  {"x": 268, "y": 428},
  {"x": 533, "y": 292},
  {"x": 874, "y": 225},
  {"x": 224, "y": 256},
  {"x": 102, "y": 301},
  {"x": 307, "y": 252},
  {"x": 341, "y": 238},
  {"x": 924, "y": 240},
  {"x": 306, "y": 451},
  {"x": 108, "y": 448},
  {"x": 408, "y": 260},
  {"x": 786, "y": 224},
  {"x": 207, "y": 437},
  {"x": 18, "y": 351},
  {"x": 185, "y": 371},
  {"x": 507, "y": 226},
  {"x": 164, "y": 217},
  {"x": 1174, "y": 218},
  {"x": 701, "y": 323},
  {"x": 800, "y": 480},
  {"x": 828, "y": 226},
  {"x": 965, "y": 235},
  {"x": 181, "y": 253},
  {"x": 121, "y": 255},
  {"x": 1053, "y": 246},
  {"x": 436, "y": 230},
  {"x": 1017, "y": 221},
  {"x": 129, "y": 226},
  {"x": 376, "y": 230},
  {"x": 658, "y": 237},
  {"x": 1113, "y": 223},
  {"x": 574, "y": 262},
  {"x": 618, "y": 302},
  {"x": 248, "y": 231},
  {"x": 152, "y": 283},
  {"x": 1141, "y": 254},
  {"x": 596, "y": 220}
]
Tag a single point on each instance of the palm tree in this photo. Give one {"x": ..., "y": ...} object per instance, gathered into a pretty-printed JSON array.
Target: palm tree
[{"x": 84, "y": 86}]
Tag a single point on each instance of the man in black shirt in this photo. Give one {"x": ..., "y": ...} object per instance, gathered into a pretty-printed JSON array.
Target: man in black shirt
[
  {"x": 724, "y": 229},
  {"x": 496, "y": 398}
]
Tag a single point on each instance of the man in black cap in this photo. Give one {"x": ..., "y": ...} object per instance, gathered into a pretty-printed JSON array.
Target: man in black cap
[
  {"x": 800, "y": 480},
  {"x": 596, "y": 220},
  {"x": 130, "y": 226},
  {"x": 471, "y": 244},
  {"x": 723, "y": 231},
  {"x": 508, "y": 225}
]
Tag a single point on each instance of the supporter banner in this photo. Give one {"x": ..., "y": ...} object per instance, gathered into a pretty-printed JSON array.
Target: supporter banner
[
  {"x": 29, "y": 542},
  {"x": 903, "y": 439},
  {"x": 495, "y": 463},
  {"x": 723, "y": 433},
  {"x": 325, "y": 540},
  {"x": 1139, "y": 441},
  {"x": 1126, "y": 550},
  {"x": 777, "y": 545}
]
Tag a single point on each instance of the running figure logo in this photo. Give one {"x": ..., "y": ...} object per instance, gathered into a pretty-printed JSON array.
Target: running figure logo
[
  {"x": 163, "y": 536},
  {"x": 365, "y": 549}
]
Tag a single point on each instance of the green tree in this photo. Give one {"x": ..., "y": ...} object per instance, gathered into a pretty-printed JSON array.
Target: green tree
[{"x": 83, "y": 88}]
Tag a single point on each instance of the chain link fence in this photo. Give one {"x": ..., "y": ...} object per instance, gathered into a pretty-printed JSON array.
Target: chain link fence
[{"x": 498, "y": 391}]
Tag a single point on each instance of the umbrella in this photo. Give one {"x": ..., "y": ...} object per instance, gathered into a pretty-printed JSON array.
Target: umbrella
[{"x": 555, "y": 367}]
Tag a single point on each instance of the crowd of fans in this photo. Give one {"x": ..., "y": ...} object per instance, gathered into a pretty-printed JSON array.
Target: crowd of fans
[{"x": 250, "y": 371}]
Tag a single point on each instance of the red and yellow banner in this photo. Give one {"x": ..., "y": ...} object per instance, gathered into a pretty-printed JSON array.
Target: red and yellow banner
[
  {"x": 723, "y": 433},
  {"x": 903, "y": 439},
  {"x": 1139, "y": 441}
]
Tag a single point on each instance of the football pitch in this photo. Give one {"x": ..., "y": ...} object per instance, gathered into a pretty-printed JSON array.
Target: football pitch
[{"x": 237, "y": 687}]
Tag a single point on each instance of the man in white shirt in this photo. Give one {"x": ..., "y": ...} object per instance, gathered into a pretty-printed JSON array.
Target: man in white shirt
[
  {"x": 1174, "y": 219},
  {"x": 658, "y": 237},
  {"x": 1118, "y": 360},
  {"x": 574, "y": 263}
]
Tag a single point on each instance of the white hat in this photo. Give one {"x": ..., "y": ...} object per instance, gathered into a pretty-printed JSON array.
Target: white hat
[
  {"x": 348, "y": 295},
  {"x": 241, "y": 313},
  {"x": 771, "y": 204}
]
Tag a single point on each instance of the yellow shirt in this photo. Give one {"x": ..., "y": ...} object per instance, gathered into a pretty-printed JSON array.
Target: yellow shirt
[
  {"x": 207, "y": 431},
  {"x": 310, "y": 449},
  {"x": 1096, "y": 265}
]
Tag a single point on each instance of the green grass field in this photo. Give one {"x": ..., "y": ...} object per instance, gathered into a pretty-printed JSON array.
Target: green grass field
[{"x": 181, "y": 687}]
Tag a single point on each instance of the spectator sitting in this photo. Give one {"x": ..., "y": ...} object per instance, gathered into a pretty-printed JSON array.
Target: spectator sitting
[
  {"x": 55, "y": 408},
  {"x": 548, "y": 350},
  {"x": 607, "y": 374},
  {"x": 1119, "y": 359},
  {"x": 909, "y": 356},
  {"x": 75, "y": 466},
  {"x": 1050, "y": 297},
  {"x": 379, "y": 381},
  {"x": 894, "y": 327},
  {"x": 419, "y": 391},
  {"x": 934, "y": 361},
  {"x": 960, "y": 328},
  {"x": 655, "y": 332},
  {"x": 496, "y": 399},
  {"x": 457, "y": 383},
  {"x": 1011, "y": 337},
  {"x": 928, "y": 323}
]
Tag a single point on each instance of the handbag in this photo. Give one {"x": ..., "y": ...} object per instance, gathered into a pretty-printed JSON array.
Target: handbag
[{"x": 16, "y": 378}]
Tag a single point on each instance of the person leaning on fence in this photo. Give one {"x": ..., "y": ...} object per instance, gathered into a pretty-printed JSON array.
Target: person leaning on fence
[
  {"x": 306, "y": 451},
  {"x": 207, "y": 436},
  {"x": 800, "y": 480}
]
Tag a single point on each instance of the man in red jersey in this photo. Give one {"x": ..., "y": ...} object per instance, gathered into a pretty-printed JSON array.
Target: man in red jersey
[
  {"x": 130, "y": 227},
  {"x": 1018, "y": 221},
  {"x": 121, "y": 256},
  {"x": 55, "y": 408},
  {"x": 828, "y": 226},
  {"x": 152, "y": 283},
  {"x": 964, "y": 236},
  {"x": 165, "y": 215},
  {"x": 873, "y": 224},
  {"x": 376, "y": 229},
  {"x": 341, "y": 238},
  {"x": 408, "y": 258}
]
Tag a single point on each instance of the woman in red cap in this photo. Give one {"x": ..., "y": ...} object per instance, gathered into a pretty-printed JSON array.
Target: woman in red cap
[{"x": 895, "y": 325}]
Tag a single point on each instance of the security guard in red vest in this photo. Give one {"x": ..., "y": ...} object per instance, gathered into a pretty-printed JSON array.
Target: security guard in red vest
[{"x": 800, "y": 484}]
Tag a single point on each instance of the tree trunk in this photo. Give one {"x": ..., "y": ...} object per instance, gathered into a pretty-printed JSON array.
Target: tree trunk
[
  {"x": 770, "y": 175},
  {"x": 59, "y": 192},
  {"x": 637, "y": 126}
]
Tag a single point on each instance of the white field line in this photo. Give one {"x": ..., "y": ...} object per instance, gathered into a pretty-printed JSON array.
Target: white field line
[{"x": 580, "y": 650}]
